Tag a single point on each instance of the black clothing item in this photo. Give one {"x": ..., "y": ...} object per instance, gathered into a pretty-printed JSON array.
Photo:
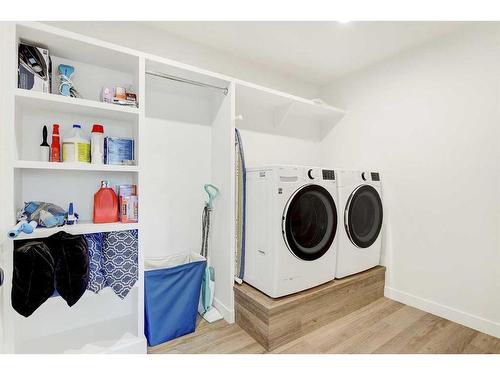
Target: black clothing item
[
  {"x": 59, "y": 262},
  {"x": 71, "y": 265},
  {"x": 33, "y": 277}
]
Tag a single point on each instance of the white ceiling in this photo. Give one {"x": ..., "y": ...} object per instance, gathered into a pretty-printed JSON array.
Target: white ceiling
[{"x": 315, "y": 52}]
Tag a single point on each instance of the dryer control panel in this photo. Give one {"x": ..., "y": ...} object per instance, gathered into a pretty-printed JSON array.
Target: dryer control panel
[
  {"x": 328, "y": 174},
  {"x": 370, "y": 176}
]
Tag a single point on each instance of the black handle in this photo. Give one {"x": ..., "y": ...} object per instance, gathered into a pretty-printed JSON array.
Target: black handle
[{"x": 44, "y": 133}]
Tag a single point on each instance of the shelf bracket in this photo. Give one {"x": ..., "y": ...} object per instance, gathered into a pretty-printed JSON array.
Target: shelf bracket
[{"x": 281, "y": 114}]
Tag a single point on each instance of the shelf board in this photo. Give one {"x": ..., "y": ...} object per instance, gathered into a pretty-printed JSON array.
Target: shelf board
[
  {"x": 58, "y": 103},
  {"x": 108, "y": 336},
  {"x": 82, "y": 227},
  {"x": 28, "y": 164},
  {"x": 73, "y": 46},
  {"x": 283, "y": 109},
  {"x": 106, "y": 292}
]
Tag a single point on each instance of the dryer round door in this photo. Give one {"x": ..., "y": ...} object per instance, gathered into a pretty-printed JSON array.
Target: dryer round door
[
  {"x": 310, "y": 222},
  {"x": 363, "y": 216}
]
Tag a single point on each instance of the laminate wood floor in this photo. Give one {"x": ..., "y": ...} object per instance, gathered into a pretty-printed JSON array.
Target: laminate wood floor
[{"x": 384, "y": 326}]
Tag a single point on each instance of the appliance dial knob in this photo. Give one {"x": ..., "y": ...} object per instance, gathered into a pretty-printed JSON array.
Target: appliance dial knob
[
  {"x": 363, "y": 176},
  {"x": 311, "y": 174}
]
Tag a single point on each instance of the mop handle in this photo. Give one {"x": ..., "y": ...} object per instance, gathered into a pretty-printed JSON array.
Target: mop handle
[{"x": 212, "y": 192}]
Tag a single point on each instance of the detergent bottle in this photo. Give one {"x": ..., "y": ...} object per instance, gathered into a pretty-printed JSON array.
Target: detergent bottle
[
  {"x": 105, "y": 204},
  {"x": 97, "y": 144},
  {"x": 76, "y": 148}
]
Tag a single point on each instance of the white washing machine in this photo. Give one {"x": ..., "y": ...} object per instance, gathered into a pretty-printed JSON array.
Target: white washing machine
[
  {"x": 360, "y": 199},
  {"x": 291, "y": 228}
]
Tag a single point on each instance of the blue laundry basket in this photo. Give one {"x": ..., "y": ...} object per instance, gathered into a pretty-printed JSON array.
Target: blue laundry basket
[{"x": 171, "y": 294}]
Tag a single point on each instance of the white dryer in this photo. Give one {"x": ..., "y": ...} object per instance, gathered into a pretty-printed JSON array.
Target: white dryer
[
  {"x": 360, "y": 197},
  {"x": 291, "y": 228}
]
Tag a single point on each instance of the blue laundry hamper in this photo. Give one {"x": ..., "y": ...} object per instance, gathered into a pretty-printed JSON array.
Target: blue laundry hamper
[{"x": 171, "y": 294}]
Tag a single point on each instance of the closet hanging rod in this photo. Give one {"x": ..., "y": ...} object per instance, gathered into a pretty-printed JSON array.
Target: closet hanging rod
[{"x": 185, "y": 80}]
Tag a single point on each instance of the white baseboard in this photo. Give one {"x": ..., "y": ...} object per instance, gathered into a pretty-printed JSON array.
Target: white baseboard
[
  {"x": 227, "y": 313},
  {"x": 469, "y": 320}
]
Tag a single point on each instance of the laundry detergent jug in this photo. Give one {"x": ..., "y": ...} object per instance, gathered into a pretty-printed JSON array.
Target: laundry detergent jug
[
  {"x": 76, "y": 148},
  {"x": 105, "y": 204}
]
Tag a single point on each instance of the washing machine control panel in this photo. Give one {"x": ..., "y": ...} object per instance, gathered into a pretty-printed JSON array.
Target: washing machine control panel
[
  {"x": 374, "y": 176},
  {"x": 328, "y": 174}
]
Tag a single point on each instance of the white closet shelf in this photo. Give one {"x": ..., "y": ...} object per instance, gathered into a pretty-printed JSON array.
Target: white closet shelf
[
  {"x": 73, "y": 46},
  {"x": 28, "y": 164},
  {"x": 282, "y": 108},
  {"x": 108, "y": 336},
  {"x": 107, "y": 291},
  {"x": 82, "y": 227},
  {"x": 58, "y": 103}
]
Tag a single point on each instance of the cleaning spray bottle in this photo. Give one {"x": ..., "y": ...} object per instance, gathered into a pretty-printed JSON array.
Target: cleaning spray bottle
[{"x": 55, "y": 150}]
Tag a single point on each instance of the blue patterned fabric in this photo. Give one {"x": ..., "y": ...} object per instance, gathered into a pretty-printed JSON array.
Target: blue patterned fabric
[
  {"x": 120, "y": 261},
  {"x": 95, "y": 243}
]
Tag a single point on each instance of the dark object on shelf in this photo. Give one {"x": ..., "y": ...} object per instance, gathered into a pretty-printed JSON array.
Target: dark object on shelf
[
  {"x": 33, "y": 277},
  {"x": 57, "y": 262},
  {"x": 72, "y": 265},
  {"x": 35, "y": 68}
]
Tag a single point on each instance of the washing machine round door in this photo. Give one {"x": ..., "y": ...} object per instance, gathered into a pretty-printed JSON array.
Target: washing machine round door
[
  {"x": 363, "y": 216},
  {"x": 310, "y": 222}
]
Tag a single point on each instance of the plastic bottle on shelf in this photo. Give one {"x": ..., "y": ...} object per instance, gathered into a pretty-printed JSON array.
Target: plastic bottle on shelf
[
  {"x": 76, "y": 148},
  {"x": 105, "y": 204},
  {"x": 97, "y": 144},
  {"x": 55, "y": 149}
]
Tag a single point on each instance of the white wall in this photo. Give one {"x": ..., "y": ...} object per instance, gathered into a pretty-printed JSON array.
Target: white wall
[
  {"x": 140, "y": 36},
  {"x": 263, "y": 149},
  {"x": 429, "y": 121},
  {"x": 173, "y": 190}
]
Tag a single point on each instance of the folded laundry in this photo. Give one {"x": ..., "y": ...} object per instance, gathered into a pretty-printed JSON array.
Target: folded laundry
[
  {"x": 72, "y": 265},
  {"x": 120, "y": 261},
  {"x": 33, "y": 276},
  {"x": 45, "y": 214},
  {"x": 97, "y": 281}
]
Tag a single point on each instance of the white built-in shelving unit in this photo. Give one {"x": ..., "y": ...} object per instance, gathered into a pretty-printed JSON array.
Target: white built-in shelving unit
[
  {"x": 184, "y": 137},
  {"x": 98, "y": 322}
]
